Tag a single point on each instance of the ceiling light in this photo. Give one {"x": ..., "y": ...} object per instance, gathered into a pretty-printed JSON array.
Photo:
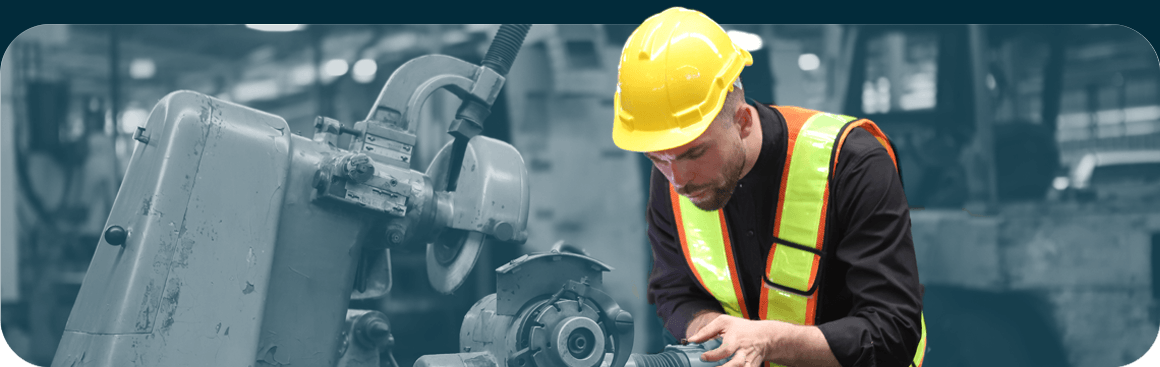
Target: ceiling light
[
  {"x": 335, "y": 67},
  {"x": 276, "y": 27},
  {"x": 142, "y": 68},
  {"x": 364, "y": 70},
  {"x": 809, "y": 62}
]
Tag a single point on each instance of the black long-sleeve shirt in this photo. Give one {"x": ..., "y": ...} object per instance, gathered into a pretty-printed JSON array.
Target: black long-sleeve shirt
[{"x": 869, "y": 298}]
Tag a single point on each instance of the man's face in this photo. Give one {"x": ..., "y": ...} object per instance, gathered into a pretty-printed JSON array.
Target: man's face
[{"x": 705, "y": 170}]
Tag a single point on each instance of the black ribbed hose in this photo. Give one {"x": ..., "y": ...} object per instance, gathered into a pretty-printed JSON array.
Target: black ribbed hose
[
  {"x": 667, "y": 358},
  {"x": 504, "y": 48}
]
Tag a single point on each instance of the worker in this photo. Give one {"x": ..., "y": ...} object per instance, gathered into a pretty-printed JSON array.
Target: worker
[{"x": 782, "y": 230}]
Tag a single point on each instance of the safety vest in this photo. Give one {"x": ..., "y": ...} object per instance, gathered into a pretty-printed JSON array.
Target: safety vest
[{"x": 790, "y": 291}]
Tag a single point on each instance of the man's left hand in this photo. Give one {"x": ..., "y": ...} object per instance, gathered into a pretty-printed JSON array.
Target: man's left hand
[
  {"x": 752, "y": 343},
  {"x": 749, "y": 342}
]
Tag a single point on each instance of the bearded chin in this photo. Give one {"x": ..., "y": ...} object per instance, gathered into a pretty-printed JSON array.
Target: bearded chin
[
  {"x": 721, "y": 194},
  {"x": 717, "y": 200}
]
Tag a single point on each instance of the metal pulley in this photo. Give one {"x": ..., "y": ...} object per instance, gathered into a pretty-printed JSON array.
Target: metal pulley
[{"x": 549, "y": 311}]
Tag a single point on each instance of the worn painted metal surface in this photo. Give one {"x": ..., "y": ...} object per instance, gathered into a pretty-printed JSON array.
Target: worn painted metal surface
[
  {"x": 246, "y": 242},
  {"x": 193, "y": 273},
  {"x": 220, "y": 194},
  {"x": 227, "y": 221}
]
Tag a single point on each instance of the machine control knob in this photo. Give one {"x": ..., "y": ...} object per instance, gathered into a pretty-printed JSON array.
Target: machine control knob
[{"x": 116, "y": 235}]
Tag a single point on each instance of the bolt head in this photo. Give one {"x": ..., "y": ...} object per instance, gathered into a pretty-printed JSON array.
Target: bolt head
[
  {"x": 359, "y": 167},
  {"x": 395, "y": 237},
  {"x": 116, "y": 235}
]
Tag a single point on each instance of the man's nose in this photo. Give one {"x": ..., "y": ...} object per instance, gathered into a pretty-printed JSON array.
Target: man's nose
[{"x": 679, "y": 175}]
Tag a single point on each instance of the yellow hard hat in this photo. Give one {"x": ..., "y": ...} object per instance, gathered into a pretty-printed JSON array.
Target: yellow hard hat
[{"x": 673, "y": 76}]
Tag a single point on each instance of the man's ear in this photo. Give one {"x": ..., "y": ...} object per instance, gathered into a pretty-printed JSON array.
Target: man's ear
[{"x": 743, "y": 119}]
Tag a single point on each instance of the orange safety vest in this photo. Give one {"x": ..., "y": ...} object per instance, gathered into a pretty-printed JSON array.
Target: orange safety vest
[{"x": 790, "y": 291}]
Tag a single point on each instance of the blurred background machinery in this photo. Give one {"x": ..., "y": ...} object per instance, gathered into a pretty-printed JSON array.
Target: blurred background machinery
[{"x": 1046, "y": 135}]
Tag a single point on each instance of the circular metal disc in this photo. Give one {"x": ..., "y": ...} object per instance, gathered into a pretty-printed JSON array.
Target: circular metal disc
[{"x": 451, "y": 257}]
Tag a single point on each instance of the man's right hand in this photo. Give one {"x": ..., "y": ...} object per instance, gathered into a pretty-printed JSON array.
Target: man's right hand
[{"x": 700, "y": 320}]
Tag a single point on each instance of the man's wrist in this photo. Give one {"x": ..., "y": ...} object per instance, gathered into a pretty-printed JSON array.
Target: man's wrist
[
  {"x": 700, "y": 319},
  {"x": 800, "y": 345}
]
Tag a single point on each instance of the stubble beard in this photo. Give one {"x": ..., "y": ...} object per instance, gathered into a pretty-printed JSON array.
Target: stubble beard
[{"x": 719, "y": 195}]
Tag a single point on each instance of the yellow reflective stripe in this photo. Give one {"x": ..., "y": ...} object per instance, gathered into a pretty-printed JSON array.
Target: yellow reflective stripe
[
  {"x": 921, "y": 352},
  {"x": 805, "y": 194},
  {"x": 704, "y": 241}
]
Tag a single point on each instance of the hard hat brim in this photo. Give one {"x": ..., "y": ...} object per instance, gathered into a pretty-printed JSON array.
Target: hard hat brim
[{"x": 657, "y": 140}]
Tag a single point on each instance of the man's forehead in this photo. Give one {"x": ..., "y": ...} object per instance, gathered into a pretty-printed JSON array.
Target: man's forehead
[
  {"x": 674, "y": 153},
  {"x": 706, "y": 137}
]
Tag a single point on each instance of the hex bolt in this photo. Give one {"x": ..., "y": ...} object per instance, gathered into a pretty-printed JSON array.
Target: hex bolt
[{"x": 116, "y": 235}]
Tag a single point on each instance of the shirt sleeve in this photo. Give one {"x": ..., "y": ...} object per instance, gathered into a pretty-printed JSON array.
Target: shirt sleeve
[
  {"x": 883, "y": 327},
  {"x": 672, "y": 286}
]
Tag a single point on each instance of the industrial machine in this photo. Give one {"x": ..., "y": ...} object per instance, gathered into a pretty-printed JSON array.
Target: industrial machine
[
  {"x": 549, "y": 311},
  {"x": 233, "y": 242}
]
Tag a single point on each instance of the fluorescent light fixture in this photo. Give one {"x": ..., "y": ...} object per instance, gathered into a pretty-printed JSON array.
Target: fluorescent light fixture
[
  {"x": 142, "y": 68},
  {"x": 276, "y": 27},
  {"x": 748, "y": 41},
  {"x": 335, "y": 67},
  {"x": 364, "y": 70},
  {"x": 809, "y": 62}
]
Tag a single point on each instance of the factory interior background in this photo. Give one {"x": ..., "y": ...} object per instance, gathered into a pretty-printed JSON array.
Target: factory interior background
[{"x": 1030, "y": 157}]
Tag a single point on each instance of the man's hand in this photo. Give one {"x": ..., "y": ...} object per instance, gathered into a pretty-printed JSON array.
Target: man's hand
[
  {"x": 752, "y": 343},
  {"x": 748, "y": 341}
]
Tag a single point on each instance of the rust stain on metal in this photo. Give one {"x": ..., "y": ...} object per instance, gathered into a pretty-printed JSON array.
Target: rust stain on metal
[
  {"x": 145, "y": 317},
  {"x": 169, "y": 303},
  {"x": 146, "y": 204},
  {"x": 183, "y": 252}
]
